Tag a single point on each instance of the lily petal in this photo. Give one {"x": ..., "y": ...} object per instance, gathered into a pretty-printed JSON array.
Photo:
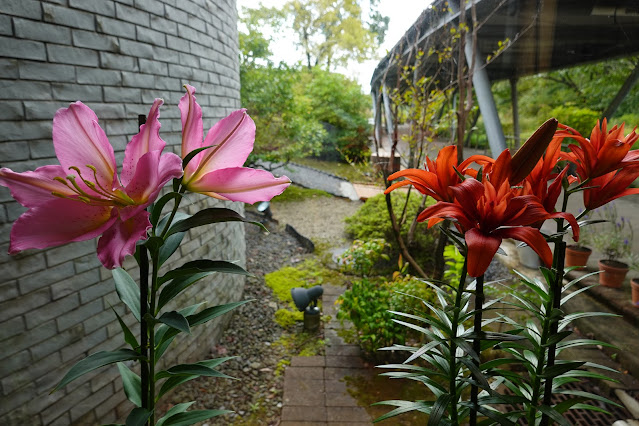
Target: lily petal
[
  {"x": 530, "y": 236},
  {"x": 58, "y": 222},
  {"x": 192, "y": 131},
  {"x": 119, "y": 240},
  {"x": 152, "y": 172},
  {"x": 481, "y": 250},
  {"x": 34, "y": 188},
  {"x": 240, "y": 184},
  {"x": 79, "y": 141},
  {"x": 147, "y": 140}
]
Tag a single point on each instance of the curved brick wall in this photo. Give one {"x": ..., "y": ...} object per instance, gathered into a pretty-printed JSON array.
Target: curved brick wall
[{"x": 115, "y": 56}]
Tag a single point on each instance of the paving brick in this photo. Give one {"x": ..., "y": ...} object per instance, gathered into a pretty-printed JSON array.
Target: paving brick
[
  {"x": 68, "y": 17},
  {"x": 136, "y": 80},
  {"x": 5, "y": 25},
  {"x": 72, "y": 55},
  {"x": 25, "y": 130},
  {"x": 307, "y": 361},
  {"x": 42, "y": 32},
  {"x": 153, "y": 67},
  {"x": 136, "y": 49},
  {"x": 174, "y": 14},
  {"x": 24, "y": 49},
  {"x": 25, "y": 8},
  {"x": 344, "y": 361},
  {"x": 39, "y": 110},
  {"x": 305, "y": 373},
  {"x": 115, "y": 27},
  {"x": 333, "y": 373},
  {"x": 353, "y": 414},
  {"x": 164, "y": 25},
  {"x": 343, "y": 350},
  {"x": 300, "y": 413},
  {"x": 304, "y": 392},
  {"x": 41, "y": 149},
  {"x": 177, "y": 43},
  {"x": 102, "y": 7}
]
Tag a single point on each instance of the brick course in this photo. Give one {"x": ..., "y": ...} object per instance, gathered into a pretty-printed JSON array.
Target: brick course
[{"x": 117, "y": 57}]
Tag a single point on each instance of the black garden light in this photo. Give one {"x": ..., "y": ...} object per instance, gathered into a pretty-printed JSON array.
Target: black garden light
[{"x": 305, "y": 299}]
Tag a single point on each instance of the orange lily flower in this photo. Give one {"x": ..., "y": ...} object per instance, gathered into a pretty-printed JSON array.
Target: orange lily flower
[
  {"x": 605, "y": 151},
  {"x": 439, "y": 176},
  {"x": 487, "y": 214},
  {"x": 611, "y": 186}
]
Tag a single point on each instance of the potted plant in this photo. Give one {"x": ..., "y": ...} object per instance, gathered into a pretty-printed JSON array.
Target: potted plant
[
  {"x": 634, "y": 282},
  {"x": 577, "y": 254},
  {"x": 614, "y": 240}
]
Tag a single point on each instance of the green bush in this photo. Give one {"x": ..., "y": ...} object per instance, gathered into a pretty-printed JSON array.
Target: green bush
[
  {"x": 372, "y": 221},
  {"x": 297, "y": 193},
  {"x": 361, "y": 256},
  {"x": 367, "y": 304},
  {"x": 580, "y": 119}
]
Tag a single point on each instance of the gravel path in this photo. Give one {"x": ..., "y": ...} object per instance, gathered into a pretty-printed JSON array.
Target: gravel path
[{"x": 256, "y": 397}]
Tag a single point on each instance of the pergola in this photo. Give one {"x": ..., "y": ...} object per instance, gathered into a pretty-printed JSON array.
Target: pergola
[{"x": 544, "y": 35}]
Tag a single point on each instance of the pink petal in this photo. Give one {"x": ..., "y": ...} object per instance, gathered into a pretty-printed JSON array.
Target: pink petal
[
  {"x": 152, "y": 171},
  {"x": 57, "y": 222},
  {"x": 32, "y": 189},
  {"x": 147, "y": 140},
  {"x": 119, "y": 240},
  {"x": 240, "y": 184},
  {"x": 232, "y": 140},
  {"x": 79, "y": 140},
  {"x": 192, "y": 132}
]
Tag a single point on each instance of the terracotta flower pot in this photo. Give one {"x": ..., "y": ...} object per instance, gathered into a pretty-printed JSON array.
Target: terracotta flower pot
[
  {"x": 577, "y": 256},
  {"x": 612, "y": 273},
  {"x": 634, "y": 285}
]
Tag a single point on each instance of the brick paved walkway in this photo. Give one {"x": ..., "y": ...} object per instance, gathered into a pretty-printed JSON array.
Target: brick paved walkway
[{"x": 314, "y": 389}]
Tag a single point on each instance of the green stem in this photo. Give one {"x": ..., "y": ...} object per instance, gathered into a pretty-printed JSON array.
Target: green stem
[
  {"x": 144, "y": 296},
  {"x": 479, "y": 303},
  {"x": 154, "y": 280},
  {"x": 176, "y": 205},
  {"x": 452, "y": 359}
]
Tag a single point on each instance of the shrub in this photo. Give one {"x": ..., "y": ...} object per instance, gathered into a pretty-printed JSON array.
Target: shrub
[
  {"x": 580, "y": 119},
  {"x": 367, "y": 304},
  {"x": 297, "y": 193},
  {"x": 361, "y": 256},
  {"x": 372, "y": 221}
]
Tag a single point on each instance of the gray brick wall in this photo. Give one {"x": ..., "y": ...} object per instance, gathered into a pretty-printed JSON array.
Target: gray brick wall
[{"x": 115, "y": 56}]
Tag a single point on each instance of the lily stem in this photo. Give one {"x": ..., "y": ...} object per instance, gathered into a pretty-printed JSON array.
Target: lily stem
[
  {"x": 144, "y": 295},
  {"x": 154, "y": 278},
  {"x": 479, "y": 303},
  {"x": 452, "y": 359}
]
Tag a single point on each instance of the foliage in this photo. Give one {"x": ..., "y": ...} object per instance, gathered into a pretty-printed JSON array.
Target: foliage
[
  {"x": 286, "y": 318},
  {"x": 614, "y": 236},
  {"x": 373, "y": 221},
  {"x": 580, "y": 119},
  {"x": 454, "y": 262},
  {"x": 283, "y": 280},
  {"x": 368, "y": 305},
  {"x": 362, "y": 256},
  {"x": 298, "y": 193},
  {"x": 353, "y": 172}
]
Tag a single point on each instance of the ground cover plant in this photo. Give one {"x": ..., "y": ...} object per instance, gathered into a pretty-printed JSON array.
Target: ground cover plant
[
  {"x": 508, "y": 198},
  {"x": 84, "y": 197}
]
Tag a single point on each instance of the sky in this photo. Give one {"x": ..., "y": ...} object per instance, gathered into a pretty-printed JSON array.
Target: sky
[{"x": 402, "y": 14}]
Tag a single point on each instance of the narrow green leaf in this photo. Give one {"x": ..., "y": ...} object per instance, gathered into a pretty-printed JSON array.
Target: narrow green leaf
[
  {"x": 170, "y": 246},
  {"x": 176, "y": 320},
  {"x": 559, "y": 369},
  {"x": 132, "y": 384},
  {"x": 97, "y": 360},
  {"x": 403, "y": 407},
  {"x": 496, "y": 416},
  {"x": 177, "y": 285},
  {"x": 203, "y": 265},
  {"x": 128, "y": 335},
  {"x": 208, "y": 216},
  {"x": 438, "y": 410},
  {"x": 192, "y": 417},
  {"x": 154, "y": 244},
  {"x": 163, "y": 223},
  {"x": 213, "y": 312},
  {"x": 174, "y": 381},
  {"x": 554, "y": 415},
  {"x": 178, "y": 408},
  {"x": 138, "y": 417},
  {"x": 556, "y": 338},
  {"x": 190, "y": 370},
  {"x": 127, "y": 290},
  {"x": 564, "y": 406},
  {"x": 156, "y": 212},
  {"x": 193, "y": 153}
]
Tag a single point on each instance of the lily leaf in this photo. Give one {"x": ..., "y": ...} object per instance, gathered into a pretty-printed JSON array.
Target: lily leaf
[
  {"x": 178, "y": 408},
  {"x": 138, "y": 417},
  {"x": 192, "y": 417},
  {"x": 176, "y": 320},
  {"x": 208, "y": 216},
  {"x": 178, "y": 285},
  {"x": 97, "y": 360},
  {"x": 203, "y": 265},
  {"x": 169, "y": 247},
  {"x": 132, "y": 384},
  {"x": 127, "y": 290}
]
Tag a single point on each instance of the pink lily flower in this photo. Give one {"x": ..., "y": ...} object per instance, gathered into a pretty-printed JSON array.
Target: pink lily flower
[
  {"x": 217, "y": 171},
  {"x": 83, "y": 197}
]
